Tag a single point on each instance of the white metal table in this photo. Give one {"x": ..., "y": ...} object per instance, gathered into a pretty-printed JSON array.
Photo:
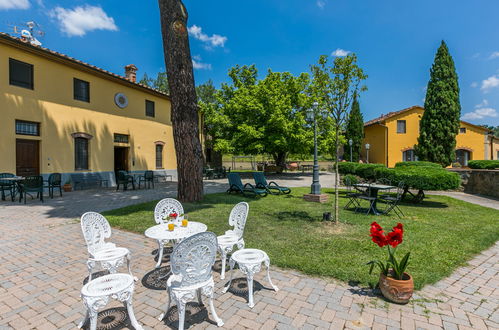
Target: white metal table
[
  {"x": 162, "y": 234},
  {"x": 96, "y": 294},
  {"x": 250, "y": 262}
]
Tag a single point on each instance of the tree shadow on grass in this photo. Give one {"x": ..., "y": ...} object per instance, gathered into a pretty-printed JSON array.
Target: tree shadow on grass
[{"x": 294, "y": 216}]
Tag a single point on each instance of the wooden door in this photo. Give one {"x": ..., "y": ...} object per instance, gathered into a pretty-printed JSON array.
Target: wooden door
[
  {"x": 121, "y": 159},
  {"x": 27, "y": 157}
]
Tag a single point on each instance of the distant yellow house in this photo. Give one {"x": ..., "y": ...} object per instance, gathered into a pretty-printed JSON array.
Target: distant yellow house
[
  {"x": 392, "y": 137},
  {"x": 63, "y": 115}
]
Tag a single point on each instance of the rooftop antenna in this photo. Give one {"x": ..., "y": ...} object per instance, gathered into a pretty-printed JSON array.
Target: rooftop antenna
[{"x": 28, "y": 32}]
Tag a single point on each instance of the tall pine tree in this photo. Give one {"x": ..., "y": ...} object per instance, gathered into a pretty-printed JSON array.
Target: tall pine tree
[
  {"x": 440, "y": 122},
  {"x": 354, "y": 131}
]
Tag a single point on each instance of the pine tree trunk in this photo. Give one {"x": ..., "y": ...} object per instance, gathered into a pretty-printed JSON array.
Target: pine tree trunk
[
  {"x": 280, "y": 159},
  {"x": 184, "y": 108}
]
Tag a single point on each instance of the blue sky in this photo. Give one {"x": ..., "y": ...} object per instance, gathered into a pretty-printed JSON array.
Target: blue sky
[{"x": 395, "y": 41}]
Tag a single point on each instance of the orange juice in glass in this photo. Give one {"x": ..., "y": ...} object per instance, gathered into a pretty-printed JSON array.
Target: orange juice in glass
[
  {"x": 171, "y": 226},
  {"x": 184, "y": 222}
]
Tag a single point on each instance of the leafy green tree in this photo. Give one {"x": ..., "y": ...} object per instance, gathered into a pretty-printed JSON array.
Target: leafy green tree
[
  {"x": 146, "y": 80},
  {"x": 160, "y": 82},
  {"x": 354, "y": 131},
  {"x": 441, "y": 119},
  {"x": 261, "y": 116},
  {"x": 334, "y": 86}
]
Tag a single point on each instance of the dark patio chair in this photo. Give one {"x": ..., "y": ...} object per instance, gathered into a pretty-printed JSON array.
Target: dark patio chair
[
  {"x": 236, "y": 185},
  {"x": 220, "y": 172},
  {"x": 392, "y": 201},
  {"x": 272, "y": 187},
  {"x": 386, "y": 182},
  {"x": 124, "y": 179},
  {"x": 351, "y": 194},
  {"x": 367, "y": 197},
  {"x": 147, "y": 178},
  {"x": 32, "y": 183},
  {"x": 9, "y": 186},
  {"x": 54, "y": 181}
]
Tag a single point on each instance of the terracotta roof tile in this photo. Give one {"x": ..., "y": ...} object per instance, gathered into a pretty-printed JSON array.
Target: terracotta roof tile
[
  {"x": 74, "y": 60},
  {"x": 389, "y": 115}
]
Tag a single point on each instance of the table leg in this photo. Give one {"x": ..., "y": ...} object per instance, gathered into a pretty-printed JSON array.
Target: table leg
[
  {"x": 231, "y": 264},
  {"x": 251, "y": 304},
  {"x": 267, "y": 264},
  {"x": 160, "y": 253}
]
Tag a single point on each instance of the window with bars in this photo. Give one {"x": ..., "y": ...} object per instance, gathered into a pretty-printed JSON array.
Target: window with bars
[
  {"x": 81, "y": 90},
  {"x": 121, "y": 138},
  {"x": 159, "y": 156},
  {"x": 401, "y": 129},
  {"x": 81, "y": 153},
  {"x": 462, "y": 130},
  {"x": 20, "y": 74},
  {"x": 27, "y": 128},
  {"x": 409, "y": 156},
  {"x": 150, "y": 111}
]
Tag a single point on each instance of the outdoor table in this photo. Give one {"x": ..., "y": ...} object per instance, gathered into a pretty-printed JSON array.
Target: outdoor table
[
  {"x": 306, "y": 168},
  {"x": 17, "y": 181},
  {"x": 373, "y": 192},
  {"x": 161, "y": 234}
]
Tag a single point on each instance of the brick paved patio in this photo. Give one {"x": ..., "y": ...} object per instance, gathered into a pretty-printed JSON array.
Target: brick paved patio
[{"x": 43, "y": 256}]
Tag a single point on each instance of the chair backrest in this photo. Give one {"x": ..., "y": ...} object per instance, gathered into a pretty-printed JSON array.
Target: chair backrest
[
  {"x": 400, "y": 190},
  {"x": 55, "y": 179},
  {"x": 235, "y": 179},
  {"x": 6, "y": 175},
  {"x": 165, "y": 207},
  {"x": 237, "y": 218},
  {"x": 33, "y": 182},
  {"x": 348, "y": 183},
  {"x": 149, "y": 175},
  {"x": 260, "y": 179},
  {"x": 385, "y": 181},
  {"x": 95, "y": 230},
  {"x": 194, "y": 257}
]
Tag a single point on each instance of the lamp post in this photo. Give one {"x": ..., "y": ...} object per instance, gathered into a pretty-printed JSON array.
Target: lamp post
[
  {"x": 315, "y": 189},
  {"x": 367, "y": 149},
  {"x": 350, "y": 142}
]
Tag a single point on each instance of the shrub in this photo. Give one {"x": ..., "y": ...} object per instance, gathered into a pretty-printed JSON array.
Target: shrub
[
  {"x": 365, "y": 171},
  {"x": 353, "y": 179},
  {"x": 419, "y": 164},
  {"x": 347, "y": 167},
  {"x": 422, "y": 178},
  {"x": 484, "y": 164}
]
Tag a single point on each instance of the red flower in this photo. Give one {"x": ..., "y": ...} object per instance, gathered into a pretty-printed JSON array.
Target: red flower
[
  {"x": 395, "y": 237},
  {"x": 173, "y": 215},
  {"x": 377, "y": 235}
]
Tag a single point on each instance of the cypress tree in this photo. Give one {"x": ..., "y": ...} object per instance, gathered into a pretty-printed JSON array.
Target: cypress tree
[
  {"x": 354, "y": 131},
  {"x": 440, "y": 122}
]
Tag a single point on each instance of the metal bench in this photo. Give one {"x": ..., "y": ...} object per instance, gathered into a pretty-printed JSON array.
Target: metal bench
[{"x": 85, "y": 180}]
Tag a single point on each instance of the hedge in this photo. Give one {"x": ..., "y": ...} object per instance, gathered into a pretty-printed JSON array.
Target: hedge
[
  {"x": 484, "y": 164},
  {"x": 414, "y": 176},
  {"x": 418, "y": 163}
]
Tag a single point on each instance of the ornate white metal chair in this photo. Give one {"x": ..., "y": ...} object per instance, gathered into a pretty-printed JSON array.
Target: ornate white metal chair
[
  {"x": 96, "y": 294},
  {"x": 233, "y": 237},
  {"x": 191, "y": 261},
  {"x": 95, "y": 230},
  {"x": 162, "y": 211}
]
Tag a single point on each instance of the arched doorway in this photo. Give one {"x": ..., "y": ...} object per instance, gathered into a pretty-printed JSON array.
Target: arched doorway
[{"x": 463, "y": 156}]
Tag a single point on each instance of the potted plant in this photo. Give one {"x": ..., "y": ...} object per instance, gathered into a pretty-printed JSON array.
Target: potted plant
[
  {"x": 67, "y": 186},
  {"x": 395, "y": 284}
]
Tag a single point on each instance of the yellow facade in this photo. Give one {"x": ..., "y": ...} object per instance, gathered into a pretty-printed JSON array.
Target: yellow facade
[
  {"x": 388, "y": 145},
  {"x": 51, "y": 104}
]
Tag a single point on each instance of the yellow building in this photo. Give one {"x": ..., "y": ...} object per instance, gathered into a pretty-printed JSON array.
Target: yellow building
[
  {"x": 392, "y": 137},
  {"x": 62, "y": 115}
]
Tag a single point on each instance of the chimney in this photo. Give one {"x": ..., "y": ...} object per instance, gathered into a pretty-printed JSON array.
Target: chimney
[{"x": 131, "y": 72}]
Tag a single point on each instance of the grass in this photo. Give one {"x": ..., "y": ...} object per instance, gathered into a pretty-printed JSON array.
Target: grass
[{"x": 442, "y": 233}]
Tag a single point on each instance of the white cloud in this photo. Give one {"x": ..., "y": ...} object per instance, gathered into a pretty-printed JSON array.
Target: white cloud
[
  {"x": 340, "y": 52},
  {"x": 490, "y": 82},
  {"x": 215, "y": 40},
  {"x": 321, "y": 3},
  {"x": 483, "y": 104},
  {"x": 480, "y": 113},
  {"x": 82, "y": 19},
  {"x": 474, "y": 84},
  {"x": 14, "y": 4},
  {"x": 198, "y": 65},
  {"x": 494, "y": 55}
]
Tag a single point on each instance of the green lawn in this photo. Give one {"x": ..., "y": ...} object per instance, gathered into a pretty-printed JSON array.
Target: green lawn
[{"x": 442, "y": 233}]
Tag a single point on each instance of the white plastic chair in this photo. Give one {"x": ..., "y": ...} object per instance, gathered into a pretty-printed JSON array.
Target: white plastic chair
[
  {"x": 163, "y": 209},
  {"x": 192, "y": 260},
  {"x": 233, "y": 237},
  {"x": 95, "y": 230}
]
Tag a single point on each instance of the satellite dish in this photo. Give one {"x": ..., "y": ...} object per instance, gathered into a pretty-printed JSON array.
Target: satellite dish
[{"x": 121, "y": 100}]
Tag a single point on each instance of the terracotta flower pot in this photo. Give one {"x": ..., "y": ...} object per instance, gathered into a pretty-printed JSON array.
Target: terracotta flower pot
[
  {"x": 397, "y": 291},
  {"x": 67, "y": 187}
]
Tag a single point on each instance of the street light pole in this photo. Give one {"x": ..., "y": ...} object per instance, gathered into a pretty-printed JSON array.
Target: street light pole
[
  {"x": 316, "y": 186},
  {"x": 367, "y": 149},
  {"x": 350, "y": 142}
]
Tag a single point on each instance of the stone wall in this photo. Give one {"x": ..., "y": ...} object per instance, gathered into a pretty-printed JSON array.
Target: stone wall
[{"x": 484, "y": 182}]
